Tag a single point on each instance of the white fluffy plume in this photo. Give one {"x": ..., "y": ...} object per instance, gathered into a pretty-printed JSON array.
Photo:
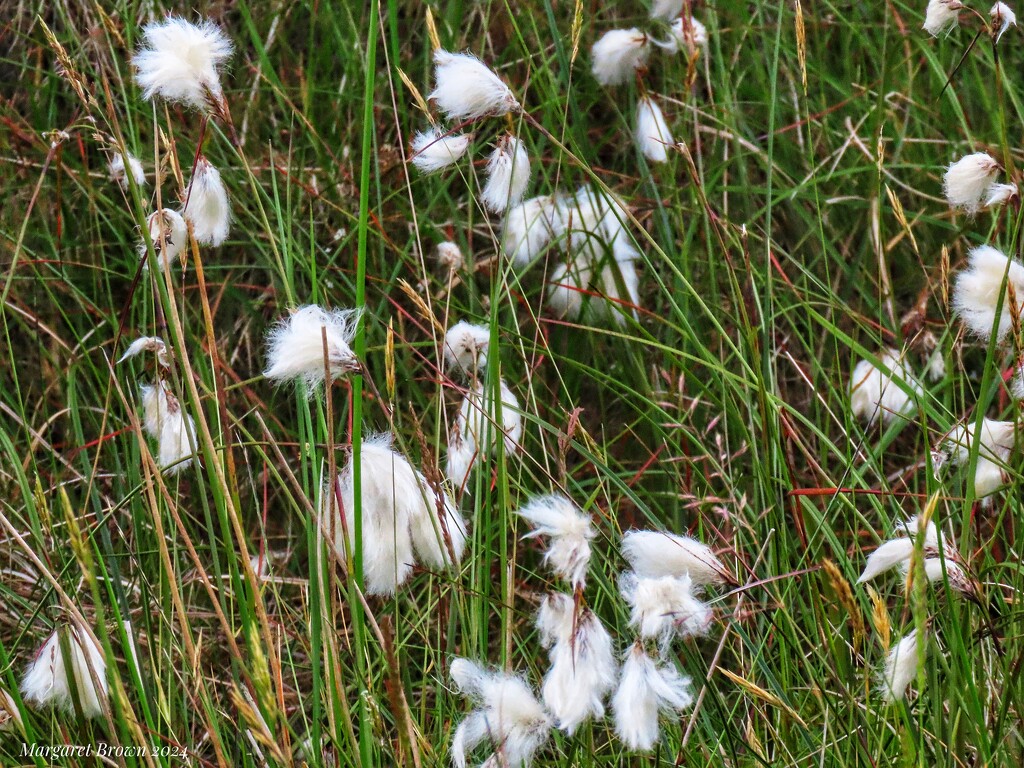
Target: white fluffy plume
[
  {"x": 434, "y": 149},
  {"x": 689, "y": 33},
  {"x": 901, "y": 667},
  {"x": 1003, "y": 17},
  {"x": 583, "y": 667},
  {"x": 569, "y": 532},
  {"x": 506, "y": 714},
  {"x": 466, "y": 89},
  {"x": 206, "y": 205},
  {"x": 617, "y": 55},
  {"x": 47, "y": 681},
  {"x": 173, "y": 429},
  {"x": 997, "y": 441},
  {"x": 645, "y": 690},
  {"x": 121, "y": 167},
  {"x": 148, "y": 344},
  {"x": 941, "y": 16},
  {"x": 465, "y": 348},
  {"x": 999, "y": 194},
  {"x": 653, "y": 135},
  {"x": 181, "y": 62},
  {"x": 664, "y": 607},
  {"x": 978, "y": 289},
  {"x": 296, "y": 346},
  {"x": 529, "y": 227},
  {"x": 169, "y": 234},
  {"x": 658, "y": 553},
  {"x": 875, "y": 393},
  {"x": 595, "y": 291},
  {"x": 476, "y": 431},
  {"x": 968, "y": 180},
  {"x": 508, "y": 175}
]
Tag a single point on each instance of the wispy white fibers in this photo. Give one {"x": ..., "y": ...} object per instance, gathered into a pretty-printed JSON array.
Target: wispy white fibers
[
  {"x": 876, "y": 394},
  {"x": 435, "y": 149},
  {"x": 166, "y": 421},
  {"x": 296, "y": 346},
  {"x": 476, "y": 431},
  {"x": 569, "y": 532},
  {"x": 506, "y": 714},
  {"x": 997, "y": 442},
  {"x": 466, "y": 89},
  {"x": 899, "y": 549},
  {"x": 529, "y": 227},
  {"x": 181, "y": 62},
  {"x": 646, "y": 689},
  {"x": 901, "y": 667},
  {"x": 402, "y": 516},
  {"x": 689, "y": 33},
  {"x": 449, "y": 256},
  {"x": 666, "y": 9},
  {"x": 206, "y": 205},
  {"x": 47, "y": 681},
  {"x": 657, "y": 553},
  {"x": 508, "y": 174},
  {"x": 575, "y": 292},
  {"x": 465, "y": 348},
  {"x": 652, "y": 131},
  {"x": 583, "y": 667},
  {"x": 941, "y": 16},
  {"x": 148, "y": 344},
  {"x": 120, "y": 167},
  {"x": 618, "y": 54},
  {"x": 1002, "y": 17},
  {"x": 979, "y": 288},
  {"x": 169, "y": 235},
  {"x": 968, "y": 180},
  {"x": 665, "y": 607},
  {"x": 1000, "y": 194}
]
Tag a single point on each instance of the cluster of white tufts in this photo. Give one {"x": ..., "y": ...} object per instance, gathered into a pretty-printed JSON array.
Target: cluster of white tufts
[
  {"x": 172, "y": 428},
  {"x": 987, "y": 295},
  {"x": 312, "y": 345},
  {"x": 942, "y": 562},
  {"x": 72, "y": 681},
  {"x": 568, "y": 531},
  {"x": 970, "y": 183},
  {"x": 401, "y": 515},
  {"x": 880, "y": 394},
  {"x": 991, "y": 454}
]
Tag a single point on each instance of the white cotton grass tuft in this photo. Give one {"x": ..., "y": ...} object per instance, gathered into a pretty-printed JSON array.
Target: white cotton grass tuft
[
  {"x": 967, "y": 181},
  {"x": 569, "y": 532},
  {"x": 449, "y": 256},
  {"x": 169, "y": 235},
  {"x": 652, "y": 132},
  {"x": 296, "y": 346},
  {"x": 657, "y": 553},
  {"x": 206, "y": 205},
  {"x": 997, "y": 442},
  {"x": 901, "y": 667},
  {"x": 172, "y": 428},
  {"x": 941, "y": 16},
  {"x": 48, "y": 680},
  {"x": 665, "y": 607},
  {"x": 583, "y": 668},
  {"x": 506, "y": 713},
  {"x": 465, "y": 348},
  {"x": 402, "y": 517},
  {"x": 646, "y": 689},
  {"x": 508, "y": 175},
  {"x": 476, "y": 432},
  {"x": 575, "y": 292},
  {"x": 148, "y": 344},
  {"x": 618, "y": 54},
  {"x": 465, "y": 89},
  {"x": 689, "y": 34},
  {"x": 181, "y": 62},
  {"x": 875, "y": 394},
  {"x": 1002, "y": 17},
  {"x": 1000, "y": 194},
  {"x": 529, "y": 227},
  {"x": 666, "y": 9},
  {"x": 900, "y": 548},
  {"x": 978, "y": 289},
  {"x": 434, "y": 149},
  {"x": 122, "y": 167}
]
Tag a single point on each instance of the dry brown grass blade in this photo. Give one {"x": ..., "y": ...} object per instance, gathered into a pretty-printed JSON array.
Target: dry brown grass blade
[{"x": 760, "y": 693}]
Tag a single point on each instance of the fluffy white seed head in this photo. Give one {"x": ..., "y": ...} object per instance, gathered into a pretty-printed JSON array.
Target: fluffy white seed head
[
  {"x": 664, "y": 607},
  {"x": 569, "y": 531},
  {"x": 955, "y": 576},
  {"x": 296, "y": 346},
  {"x": 529, "y": 227},
  {"x": 941, "y": 16},
  {"x": 583, "y": 667},
  {"x": 689, "y": 34},
  {"x": 181, "y": 62},
  {"x": 47, "y": 681},
  {"x": 652, "y": 131},
  {"x": 1003, "y": 18},
  {"x": 592, "y": 224},
  {"x": 465, "y": 348},
  {"x": 646, "y": 689},
  {"x": 169, "y": 235},
  {"x": 1000, "y": 194},
  {"x": 666, "y": 9},
  {"x": 901, "y": 667},
  {"x": 434, "y": 149},
  {"x": 997, "y": 441},
  {"x": 876, "y": 394},
  {"x": 449, "y": 256},
  {"x": 977, "y": 291},
  {"x": 508, "y": 175},
  {"x": 657, "y": 553},
  {"x": 148, "y": 344},
  {"x": 121, "y": 167},
  {"x": 206, "y": 205},
  {"x": 618, "y": 54},
  {"x": 967, "y": 181},
  {"x": 595, "y": 293},
  {"x": 174, "y": 430},
  {"x": 887, "y": 556},
  {"x": 465, "y": 89},
  {"x": 506, "y": 714},
  {"x": 476, "y": 431}
]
